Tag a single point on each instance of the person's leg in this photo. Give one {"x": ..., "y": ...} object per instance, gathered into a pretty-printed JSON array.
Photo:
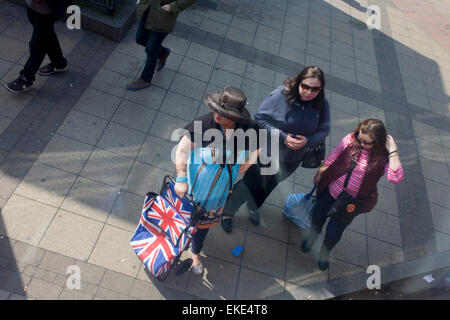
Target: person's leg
[
  {"x": 54, "y": 51},
  {"x": 162, "y": 58},
  {"x": 142, "y": 35},
  {"x": 333, "y": 234},
  {"x": 197, "y": 245},
  {"x": 318, "y": 217},
  {"x": 153, "y": 50},
  {"x": 37, "y": 54},
  {"x": 262, "y": 187},
  {"x": 240, "y": 195},
  {"x": 254, "y": 183},
  {"x": 57, "y": 61},
  {"x": 40, "y": 39}
]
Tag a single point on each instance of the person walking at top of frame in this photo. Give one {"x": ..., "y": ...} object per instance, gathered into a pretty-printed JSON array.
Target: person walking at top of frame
[
  {"x": 42, "y": 14},
  {"x": 371, "y": 153},
  {"x": 299, "y": 112},
  {"x": 157, "y": 20}
]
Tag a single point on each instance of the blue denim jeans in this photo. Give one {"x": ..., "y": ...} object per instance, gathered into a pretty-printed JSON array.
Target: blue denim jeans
[{"x": 152, "y": 41}]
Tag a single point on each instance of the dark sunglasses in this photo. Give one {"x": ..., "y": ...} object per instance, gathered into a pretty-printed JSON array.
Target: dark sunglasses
[
  {"x": 364, "y": 141},
  {"x": 306, "y": 87}
]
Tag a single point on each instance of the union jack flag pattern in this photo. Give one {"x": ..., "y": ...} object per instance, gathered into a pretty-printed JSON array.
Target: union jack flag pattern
[{"x": 160, "y": 236}]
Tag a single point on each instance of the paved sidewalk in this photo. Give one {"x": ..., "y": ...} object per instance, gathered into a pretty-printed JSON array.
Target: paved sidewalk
[{"x": 78, "y": 152}]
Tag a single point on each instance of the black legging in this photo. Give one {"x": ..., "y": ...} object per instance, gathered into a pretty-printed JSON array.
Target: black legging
[{"x": 255, "y": 188}]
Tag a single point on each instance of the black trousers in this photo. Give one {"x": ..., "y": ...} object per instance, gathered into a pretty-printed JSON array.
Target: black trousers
[
  {"x": 198, "y": 239},
  {"x": 43, "y": 41},
  {"x": 254, "y": 188},
  {"x": 335, "y": 227}
]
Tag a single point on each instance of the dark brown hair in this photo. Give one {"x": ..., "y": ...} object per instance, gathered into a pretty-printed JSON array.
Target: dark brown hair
[
  {"x": 291, "y": 86},
  {"x": 377, "y": 132}
]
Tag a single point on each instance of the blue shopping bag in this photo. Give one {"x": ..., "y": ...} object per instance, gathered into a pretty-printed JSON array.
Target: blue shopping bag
[{"x": 298, "y": 208}]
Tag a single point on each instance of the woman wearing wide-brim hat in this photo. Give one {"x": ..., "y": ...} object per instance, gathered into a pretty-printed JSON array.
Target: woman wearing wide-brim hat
[{"x": 207, "y": 170}]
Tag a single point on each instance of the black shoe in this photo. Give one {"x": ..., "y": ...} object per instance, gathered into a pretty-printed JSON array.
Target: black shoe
[
  {"x": 162, "y": 61},
  {"x": 182, "y": 266},
  {"x": 254, "y": 217},
  {"x": 19, "y": 85},
  {"x": 50, "y": 69},
  {"x": 308, "y": 243},
  {"x": 324, "y": 261},
  {"x": 227, "y": 224}
]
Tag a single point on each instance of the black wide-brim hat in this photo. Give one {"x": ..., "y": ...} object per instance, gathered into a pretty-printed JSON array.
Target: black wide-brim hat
[{"x": 229, "y": 103}]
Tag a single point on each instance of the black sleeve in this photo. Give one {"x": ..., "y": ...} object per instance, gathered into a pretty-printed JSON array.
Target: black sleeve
[
  {"x": 206, "y": 121},
  {"x": 59, "y": 8}
]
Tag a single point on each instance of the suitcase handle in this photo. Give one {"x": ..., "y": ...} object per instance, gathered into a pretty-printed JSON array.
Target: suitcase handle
[{"x": 166, "y": 181}]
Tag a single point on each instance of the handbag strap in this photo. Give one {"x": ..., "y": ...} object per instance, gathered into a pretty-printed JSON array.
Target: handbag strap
[
  {"x": 349, "y": 173},
  {"x": 229, "y": 183},
  {"x": 307, "y": 196},
  {"x": 198, "y": 173},
  {"x": 219, "y": 172},
  {"x": 230, "y": 175}
]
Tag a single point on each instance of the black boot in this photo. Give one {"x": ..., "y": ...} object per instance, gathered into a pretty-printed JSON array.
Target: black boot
[
  {"x": 227, "y": 224},
  {"x": 324, "y": 260},
  {"x": 309, "y": 241}
]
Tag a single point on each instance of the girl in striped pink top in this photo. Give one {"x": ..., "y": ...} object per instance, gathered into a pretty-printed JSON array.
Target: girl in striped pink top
[
  {"x": 375, "y": 154},
  {"x": 394, "y": 175}
]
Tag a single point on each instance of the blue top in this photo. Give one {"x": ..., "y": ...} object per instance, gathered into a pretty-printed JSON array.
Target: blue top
[
  {"x": 278, "y": 116},
  {"x": 200, "y": 178}
]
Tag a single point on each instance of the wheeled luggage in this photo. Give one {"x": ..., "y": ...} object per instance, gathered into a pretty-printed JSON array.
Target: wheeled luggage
[{"x": 165, "y": 229}]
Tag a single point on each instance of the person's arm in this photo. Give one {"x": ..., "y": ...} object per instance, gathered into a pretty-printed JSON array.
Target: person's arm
[
  {"x": 323, "y": 129},
  {"x": 178, "y": 5},
  {"x": 264, "y": 122},
  {"x": 332, "y": 157},
  {"x": 181, "y": 157},
  {"x": 271, "y": 116},
  {"x": 393, "y": 169},
  {"x": 251, "y": 161}
]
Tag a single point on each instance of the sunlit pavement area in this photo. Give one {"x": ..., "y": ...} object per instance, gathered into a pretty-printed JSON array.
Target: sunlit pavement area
[{"x": 78, "y": 152}]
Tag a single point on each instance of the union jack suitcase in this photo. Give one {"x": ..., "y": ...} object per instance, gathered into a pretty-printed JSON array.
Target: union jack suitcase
[{"x": 165, "y": 229}]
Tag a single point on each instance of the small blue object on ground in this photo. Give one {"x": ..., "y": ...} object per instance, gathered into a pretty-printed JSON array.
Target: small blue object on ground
[{"x": 237, "y": 250}]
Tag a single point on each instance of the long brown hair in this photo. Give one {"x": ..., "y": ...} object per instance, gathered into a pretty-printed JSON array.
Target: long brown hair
[
  {"x": 292, "y": 85},
  {"x": 377, "y": 132}
]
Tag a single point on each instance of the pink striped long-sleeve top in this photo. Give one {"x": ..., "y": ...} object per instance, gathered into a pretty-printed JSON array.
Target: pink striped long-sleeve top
[{"x": 356, "y": 179}]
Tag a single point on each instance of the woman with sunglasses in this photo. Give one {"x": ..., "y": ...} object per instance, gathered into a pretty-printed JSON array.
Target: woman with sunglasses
[
  {"x": 374, "y": 154},
  {"x": 299, "y": 114}
]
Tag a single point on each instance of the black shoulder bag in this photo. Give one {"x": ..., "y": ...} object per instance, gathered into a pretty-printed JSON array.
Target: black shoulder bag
[
  {"x": 314, "y": 156},
  {"x": 346, "y": 208}
]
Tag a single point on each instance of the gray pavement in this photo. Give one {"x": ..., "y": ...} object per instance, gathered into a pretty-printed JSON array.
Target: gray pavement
[{"x": 78, "y": 152}]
